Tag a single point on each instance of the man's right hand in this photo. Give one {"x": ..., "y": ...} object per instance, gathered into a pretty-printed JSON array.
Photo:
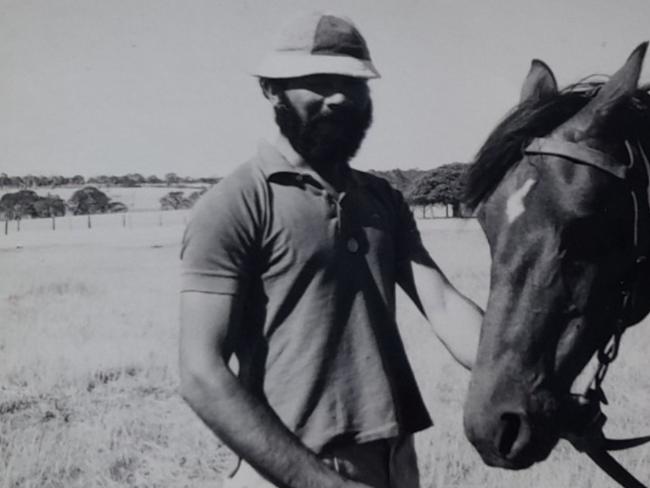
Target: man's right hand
[{"x": 241, "y": 420}]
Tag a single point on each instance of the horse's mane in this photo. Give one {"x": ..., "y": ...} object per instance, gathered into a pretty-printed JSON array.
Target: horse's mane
[{"x": 504, "y": 146}]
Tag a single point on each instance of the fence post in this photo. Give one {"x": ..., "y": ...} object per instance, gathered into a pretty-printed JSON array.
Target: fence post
[
  {"x": 123, "y": 220},
  {"x": 53, "y": 222},
  {"x": 6, "y": 226},
  {"x": 18, "y": 224},
  {"x": 89, "y": 223}
]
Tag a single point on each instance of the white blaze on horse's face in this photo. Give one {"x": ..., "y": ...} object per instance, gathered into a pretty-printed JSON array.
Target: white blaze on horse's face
[{"x": 515, "y": 204}]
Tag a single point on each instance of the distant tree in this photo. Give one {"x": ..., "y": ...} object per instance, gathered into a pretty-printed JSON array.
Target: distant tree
[
  {"x": 172, "y": 179},
  {"x": 88, "y": 200},
  {"x": 175, "y": 200},
  {"x": 29, "y": 181},
  {"x": 153, "y": 179},
  {"x": 18, "y": 204},
  {"x": 58, "y": 180},
  {"x": 137, "y": 178},
  {"x": 16, "y": 181},
  {"x": 126, "y": 181},
  {"x": 4, "y": 180},
  {"x": 26, "y": 203},
  {"x": 442, "y": 185},
  {"x": 49, "y": 206},
  {"x": 77, "y": 180},
  {"x": 99, "y": 180}
]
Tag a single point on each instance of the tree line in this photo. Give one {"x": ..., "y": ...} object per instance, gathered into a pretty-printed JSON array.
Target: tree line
[
  {"x": 421, "y": 188},
  {"x": 85, "y": 201},
  {"x": 127, "y": 180}
]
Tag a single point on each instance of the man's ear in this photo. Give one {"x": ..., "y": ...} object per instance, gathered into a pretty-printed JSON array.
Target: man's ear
[{"x": 271, "y": 90}]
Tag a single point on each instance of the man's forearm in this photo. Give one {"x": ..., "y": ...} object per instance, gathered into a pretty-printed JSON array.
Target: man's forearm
[
  {"x": 458, "y": 325},
  {"x": 251, "y": 429},
  {"x": 456, "y": 320}
]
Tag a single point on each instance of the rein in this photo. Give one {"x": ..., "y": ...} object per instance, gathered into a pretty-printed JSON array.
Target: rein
[{"x": 586, "y": 418}]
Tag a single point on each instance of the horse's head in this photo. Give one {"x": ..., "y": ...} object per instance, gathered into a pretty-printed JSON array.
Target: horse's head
[{"x": 561, "y": 186}]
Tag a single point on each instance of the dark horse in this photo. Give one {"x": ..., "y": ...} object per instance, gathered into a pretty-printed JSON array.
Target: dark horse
[{"x": 561, "y": 191}]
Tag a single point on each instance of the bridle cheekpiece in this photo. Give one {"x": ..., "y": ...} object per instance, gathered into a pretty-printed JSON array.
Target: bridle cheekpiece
[{"x": 584, "y": 419}]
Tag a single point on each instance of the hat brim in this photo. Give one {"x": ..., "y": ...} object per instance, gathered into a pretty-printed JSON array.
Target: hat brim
[{"x": 294, "y": 65}]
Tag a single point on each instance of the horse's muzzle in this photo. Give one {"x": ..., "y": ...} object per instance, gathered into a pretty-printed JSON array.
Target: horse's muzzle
[{"x": 510, "y": 437}]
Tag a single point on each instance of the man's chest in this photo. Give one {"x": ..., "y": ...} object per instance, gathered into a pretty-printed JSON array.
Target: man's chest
[{"x": 308, "y": 225}]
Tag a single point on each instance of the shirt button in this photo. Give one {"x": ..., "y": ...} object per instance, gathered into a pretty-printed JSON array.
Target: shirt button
[{"x": 353, "y": 245}]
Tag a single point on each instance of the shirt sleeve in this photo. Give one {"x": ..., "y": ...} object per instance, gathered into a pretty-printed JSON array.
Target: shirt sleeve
[
  {"x": 220, "y": 241},
  {"x": 409, "y": 241}
]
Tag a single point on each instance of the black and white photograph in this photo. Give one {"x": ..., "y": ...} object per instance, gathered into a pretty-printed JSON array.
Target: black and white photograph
[{"x": 324, "y": 244}]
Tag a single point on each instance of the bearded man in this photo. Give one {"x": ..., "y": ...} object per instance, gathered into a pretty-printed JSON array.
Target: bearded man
[{"x": 290, "y": 265}]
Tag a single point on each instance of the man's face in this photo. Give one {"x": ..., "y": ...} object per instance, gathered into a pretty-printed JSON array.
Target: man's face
[{"x": 324, "y": 117}]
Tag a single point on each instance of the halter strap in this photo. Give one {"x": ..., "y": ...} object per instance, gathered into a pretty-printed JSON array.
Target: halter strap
[{"x": 579, "y": 153}]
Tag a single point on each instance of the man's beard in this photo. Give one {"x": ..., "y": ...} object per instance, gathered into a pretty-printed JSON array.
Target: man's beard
[{"x": 325, "y": 139}]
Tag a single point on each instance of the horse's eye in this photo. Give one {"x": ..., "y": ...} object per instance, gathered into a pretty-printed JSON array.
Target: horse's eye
[{"x": 589, "y": 239}]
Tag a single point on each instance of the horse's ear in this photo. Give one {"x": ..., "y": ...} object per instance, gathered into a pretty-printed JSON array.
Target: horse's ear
[
  {"x": 539, "y": 83},
  {"x": 592, "y": 119}
]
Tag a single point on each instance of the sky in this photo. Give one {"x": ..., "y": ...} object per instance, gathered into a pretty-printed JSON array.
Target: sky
[{"x": 96, "y": 87}]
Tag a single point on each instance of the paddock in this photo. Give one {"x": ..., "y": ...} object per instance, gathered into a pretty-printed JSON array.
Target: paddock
[{"x": 88, "y": 348}]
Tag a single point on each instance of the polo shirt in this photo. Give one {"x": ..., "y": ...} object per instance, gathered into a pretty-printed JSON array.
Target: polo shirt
[{"x": 317, "y": 273}]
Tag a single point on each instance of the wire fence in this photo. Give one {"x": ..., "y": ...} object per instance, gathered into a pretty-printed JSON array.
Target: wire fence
[
  {"x": 127, "y": 220},
  {"x": 140, "y": 220}
]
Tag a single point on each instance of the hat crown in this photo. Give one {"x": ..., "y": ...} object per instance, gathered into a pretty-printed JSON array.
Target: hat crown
[
  {"x": 318, "y": 43},
  {"x": 325, "y": 34}
]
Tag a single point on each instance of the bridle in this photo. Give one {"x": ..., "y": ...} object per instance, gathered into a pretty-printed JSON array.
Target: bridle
[{"x": 584, "y": 418}]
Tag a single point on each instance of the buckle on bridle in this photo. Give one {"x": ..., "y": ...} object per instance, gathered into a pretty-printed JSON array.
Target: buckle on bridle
[
  {"x": 584, "y": 419},
  {"x": 584, "y": 422}
]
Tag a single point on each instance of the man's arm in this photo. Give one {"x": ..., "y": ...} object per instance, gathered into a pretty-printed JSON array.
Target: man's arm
[
  {"x": 456, "y": 320},
  {"x": 241, "y": 420}
]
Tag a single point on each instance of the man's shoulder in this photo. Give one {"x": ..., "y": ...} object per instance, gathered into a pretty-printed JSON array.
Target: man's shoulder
[
  {"x": 376, "y": 183},
  {"x": 245, "y": 183}
]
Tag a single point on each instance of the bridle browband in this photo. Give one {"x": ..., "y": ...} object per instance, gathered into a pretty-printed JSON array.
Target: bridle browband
[{"x": 587, "y": 419}]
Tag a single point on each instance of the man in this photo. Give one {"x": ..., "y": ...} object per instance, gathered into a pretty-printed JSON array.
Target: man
[{"x": 290, "y": 265}]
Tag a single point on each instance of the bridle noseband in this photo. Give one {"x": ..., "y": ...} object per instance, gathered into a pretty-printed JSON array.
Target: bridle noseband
[{"x": 585, "y": 419}]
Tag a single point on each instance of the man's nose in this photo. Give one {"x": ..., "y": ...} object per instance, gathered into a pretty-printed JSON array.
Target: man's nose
[
  {"x": 337, "y": 99},
  {"x": 334, "y": 99}
]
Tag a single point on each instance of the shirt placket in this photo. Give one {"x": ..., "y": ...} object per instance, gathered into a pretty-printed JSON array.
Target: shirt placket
[
  {"x": 339, "y": 208},
  {"x": 347, "y": 232}
]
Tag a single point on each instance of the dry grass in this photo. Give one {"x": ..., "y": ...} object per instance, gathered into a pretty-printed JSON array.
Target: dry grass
[{"x": 88, "y": 374}]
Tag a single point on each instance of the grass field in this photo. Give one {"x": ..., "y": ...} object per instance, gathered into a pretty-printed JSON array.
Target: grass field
[{"x": 88, "y": 375}]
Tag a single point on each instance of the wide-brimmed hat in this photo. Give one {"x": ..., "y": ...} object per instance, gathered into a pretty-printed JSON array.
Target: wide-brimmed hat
[{"x": 318, "y": 43}]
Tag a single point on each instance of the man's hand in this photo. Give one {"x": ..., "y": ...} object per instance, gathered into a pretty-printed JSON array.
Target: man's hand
[{"x": 209, "y": 322}]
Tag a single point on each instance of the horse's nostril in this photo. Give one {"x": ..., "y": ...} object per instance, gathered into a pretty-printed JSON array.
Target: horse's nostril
[{"x": 510, "y": 427}]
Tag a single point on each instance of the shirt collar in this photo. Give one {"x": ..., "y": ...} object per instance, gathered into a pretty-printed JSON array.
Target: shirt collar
[{"x": 274, "y": 161}]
